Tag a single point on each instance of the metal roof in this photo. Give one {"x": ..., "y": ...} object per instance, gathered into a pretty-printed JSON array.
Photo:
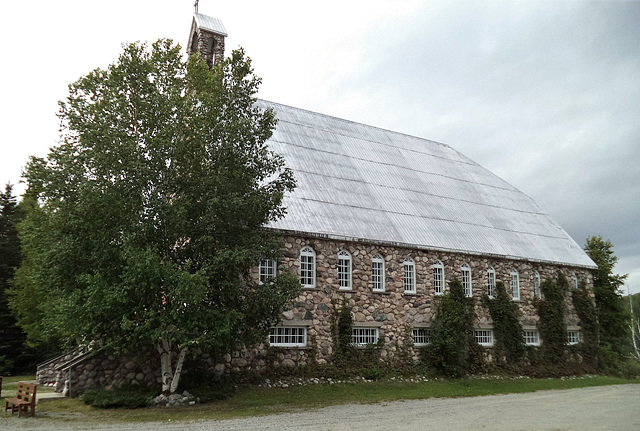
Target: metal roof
[
  {"x": 363, "y": 183},
  {"x": 208, "y": 23}
]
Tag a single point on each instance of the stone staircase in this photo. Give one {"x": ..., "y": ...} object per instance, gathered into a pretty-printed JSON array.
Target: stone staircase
[{"x": 55, "y": 371}]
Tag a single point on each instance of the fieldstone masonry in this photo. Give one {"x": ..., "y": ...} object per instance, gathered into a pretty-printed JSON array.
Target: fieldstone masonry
[
  {"x": 393, "y": 311},
  {"x": 209, "y": 45}
]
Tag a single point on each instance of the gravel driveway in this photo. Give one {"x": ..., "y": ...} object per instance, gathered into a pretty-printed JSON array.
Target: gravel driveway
[{"x": 597, "y": 408}]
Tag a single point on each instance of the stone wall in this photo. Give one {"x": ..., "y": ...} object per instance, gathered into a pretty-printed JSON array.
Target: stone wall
[
  {"x": 209, "y": 45},
  {"x": 393, "y": 311}
]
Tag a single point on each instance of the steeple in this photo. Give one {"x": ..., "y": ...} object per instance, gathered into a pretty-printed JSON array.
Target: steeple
[{"x": 207, "y": 38}]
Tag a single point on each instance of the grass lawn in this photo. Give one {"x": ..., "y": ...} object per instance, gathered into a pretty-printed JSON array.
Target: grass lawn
[{"x": 256, "y": 401}]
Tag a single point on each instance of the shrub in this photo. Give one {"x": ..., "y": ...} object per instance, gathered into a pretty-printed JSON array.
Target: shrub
[
  {"x": 206, "y": 384},
  {"x": 6, "y": 365},
  {"x": 128, "y": 397}
]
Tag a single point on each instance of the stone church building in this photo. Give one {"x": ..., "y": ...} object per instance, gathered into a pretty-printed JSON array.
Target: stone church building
[{"x": 382, "y": 222}]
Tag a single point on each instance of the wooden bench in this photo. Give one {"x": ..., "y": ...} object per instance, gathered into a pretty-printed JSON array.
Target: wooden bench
[{"x": 26, "y": 399}]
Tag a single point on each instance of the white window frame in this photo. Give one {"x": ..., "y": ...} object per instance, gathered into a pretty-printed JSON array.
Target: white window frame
[
  {"x": 345, "y": 271},
  {"x": 515, "y": 285},
  {"x": 268, "y": 269},
  {"x": 362, "y": 336},
  {"x": 288, "y": 336},
  {"x": 421, "y": 336},
  {"x": 308, "y": 267},
  {"x": 531, "y": 337},
  {"x": 438, "y": 278},
  {"x": 536, "y": 285},
  {"x": 484, "y": 337},
  {"x": 491, "y": 282},
  {"x": 377, "y": 273},
  {"x": 573, "y": 337},
  {"x": 467, "y": 283},
  {"x": 575, "y": 281},
  {"x": 409, "y": 275}
]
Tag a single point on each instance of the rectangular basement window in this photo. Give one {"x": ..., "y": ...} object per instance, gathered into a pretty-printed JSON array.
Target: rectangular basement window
[{"x": 288, "y": 336}]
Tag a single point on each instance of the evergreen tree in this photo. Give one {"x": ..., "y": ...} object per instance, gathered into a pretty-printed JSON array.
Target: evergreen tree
[{"x": 11, "y": 336}]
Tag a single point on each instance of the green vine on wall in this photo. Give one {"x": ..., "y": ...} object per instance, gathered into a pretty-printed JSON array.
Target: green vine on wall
[
  {"x": 509, "y": 344},
  {"x": 551, "y": 309},
  {"x": 341, "y": 329},
  {"x": 586, "y": 310},
  {"x": 452, "y": 336}
]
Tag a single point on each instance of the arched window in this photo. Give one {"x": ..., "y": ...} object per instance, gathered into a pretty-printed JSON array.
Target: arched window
[
  {"x": 536, "y": 285},
  {"x": 308, "y": 267},
  {"x": 438, "y": 277},
  {"x": 491, "y": 282},
  {"x": 515, "y": 285},
  {"x": 575, "y": 281},
  {"x": 377, "y": 273},
  {"x": 267, "y": 269},
  {"x": 466, "y": 280},
  {"x": 409, "y": 276},
  {"x": 344, "y": 270}
]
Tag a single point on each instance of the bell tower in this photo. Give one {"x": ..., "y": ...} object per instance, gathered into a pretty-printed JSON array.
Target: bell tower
[{"x": 207, "y": 38}]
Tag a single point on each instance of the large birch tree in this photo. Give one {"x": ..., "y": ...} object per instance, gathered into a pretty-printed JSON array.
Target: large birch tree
[{"x": 143, "y": 224}]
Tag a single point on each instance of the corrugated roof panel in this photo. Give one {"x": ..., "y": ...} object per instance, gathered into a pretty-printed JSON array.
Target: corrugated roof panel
[
  {"x": 209, "y": 23},
  {"x": 362, "y": 182}
]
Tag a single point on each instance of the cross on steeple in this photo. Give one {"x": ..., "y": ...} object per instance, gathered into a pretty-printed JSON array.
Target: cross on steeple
[{"x": 195, "y": 5}]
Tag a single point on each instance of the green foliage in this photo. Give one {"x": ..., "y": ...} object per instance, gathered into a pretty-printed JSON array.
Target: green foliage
[
  {"x": 127, "y": 397},
  {"x": 551, "y": 309},
  {"x": 509, "y": 344},
  {"x": 341, "y": 329},
  {"x": 143, "y": 224},
  {"x": 452, "y": 333},
  {"x": 614, "y": 321},
  {"x": 205, "y": 384},
  {"x": 16, "y": 356},
  {"x": 586, "y": 310},
  {"x": 348, "y": 359},
  {"x": 633, "y": 304}
]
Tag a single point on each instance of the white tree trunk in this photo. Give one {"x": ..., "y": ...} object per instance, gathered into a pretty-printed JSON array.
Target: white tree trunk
[
  {"x": 176, "y": 375},
  {"x": 165, "y": 365},
  {"x": 170, "y": 379}
]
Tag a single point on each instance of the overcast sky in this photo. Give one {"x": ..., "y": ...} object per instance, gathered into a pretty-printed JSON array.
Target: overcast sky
[{"x": 545, "y": 94}]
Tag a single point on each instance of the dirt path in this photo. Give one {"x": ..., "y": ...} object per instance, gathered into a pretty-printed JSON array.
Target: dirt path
[{"x": 597, "y": 408}]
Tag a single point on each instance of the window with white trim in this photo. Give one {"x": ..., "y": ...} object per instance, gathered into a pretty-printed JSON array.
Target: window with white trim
[
  {"x": 267, "y": 269},
  {"x": 573, "y": 337},
  {"x": 421, "y": 336},
  {"x": 308, "y": 267},
  {"x": 531, "y": 337},
  {"x": 515, "y": 285},
  {"x": 484, "y": 337},
  {"x": 344, "y": 270},
  {"x": 288, "y": 336},
  {"x": 377, "y": 273},
  {"x": 364, "y": 336},
  {"x": 536, "y": 285},
  {"x": 438, "y": 277},
  {"x": 491, "y": 282},
  {"x": 466, "y": 280},
  {"x": 575, "y": 282},
  {"x": 409, "y": 276}
]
